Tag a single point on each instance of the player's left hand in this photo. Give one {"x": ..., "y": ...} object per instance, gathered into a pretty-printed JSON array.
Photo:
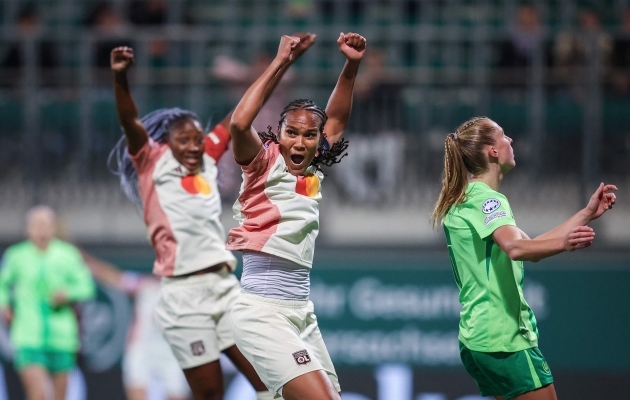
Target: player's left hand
[
  {"x": 601, "y": 201},
  {"x": 306, "y": 41},
  {"x": 352, "y": 45},
  {"x": 59, "y": 299}
]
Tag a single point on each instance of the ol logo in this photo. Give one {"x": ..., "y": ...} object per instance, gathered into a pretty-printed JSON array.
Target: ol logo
[
  {"x": 490, "y": 205},
  {"x": 197, "y": 348},
  {"x": 301, "y": 357}
]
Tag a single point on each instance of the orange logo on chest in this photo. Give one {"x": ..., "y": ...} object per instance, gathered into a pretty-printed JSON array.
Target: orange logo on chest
[
  {"x": 196, "y": 184},
  {"x": 307, "y": 185}
]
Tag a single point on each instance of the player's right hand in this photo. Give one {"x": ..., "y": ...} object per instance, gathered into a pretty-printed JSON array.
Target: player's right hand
[
  {"x": 579, "y": 238},
  {"x": 121, "y": 58},
  {"x": 285, "y": 50}
]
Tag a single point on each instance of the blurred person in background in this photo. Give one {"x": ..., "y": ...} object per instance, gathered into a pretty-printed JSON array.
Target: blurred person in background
[
  {"x": 273, "y": 320},
  {"x": 498, "y": 333},
  {"x": 572, "y": 53},
  {"x": 40, "y": 280},
  {"x": 47, "y": 57},
  {"x": 151, "y": 14},
  {"x": 147, "y": 358},
  {"x": 517, "y": 53},
  {"x": 148, "y": 12},
  {"x": 168, "y": 164},
  {"x": 621, "y": 58},
  {"x": 111, "y": 28}
]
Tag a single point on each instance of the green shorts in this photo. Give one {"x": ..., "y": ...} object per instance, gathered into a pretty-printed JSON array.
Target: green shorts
[
  {"x": 53, "y": 361},
  {"x": 506, "y": 374}
]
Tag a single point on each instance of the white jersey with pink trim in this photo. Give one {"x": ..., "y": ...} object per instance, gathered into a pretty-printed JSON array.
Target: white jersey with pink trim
[
  {"x": 278, "y": 212},
  {"x": 182, "y": 210}
]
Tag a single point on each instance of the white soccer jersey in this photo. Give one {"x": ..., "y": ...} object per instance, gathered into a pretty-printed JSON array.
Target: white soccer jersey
[
  {"x": 182, "y": 210},
  {"x": 278, "y": 212}
]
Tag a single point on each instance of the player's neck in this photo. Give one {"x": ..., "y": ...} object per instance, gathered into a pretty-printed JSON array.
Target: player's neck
[{"x": 493, "y": 177}]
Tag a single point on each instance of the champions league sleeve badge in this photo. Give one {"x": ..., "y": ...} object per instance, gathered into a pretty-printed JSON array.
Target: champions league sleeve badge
[{"x": 490, "y": 206}]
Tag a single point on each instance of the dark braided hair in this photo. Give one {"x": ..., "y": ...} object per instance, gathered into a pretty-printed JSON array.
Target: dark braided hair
[
  {"x": 326, "y": 155},
  {"x": 158, "y": 125}
]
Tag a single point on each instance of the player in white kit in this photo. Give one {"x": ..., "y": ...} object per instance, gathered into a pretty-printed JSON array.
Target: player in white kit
[
  {"x": 169, "y": 166},
  {"x": 278, "y": 209}
]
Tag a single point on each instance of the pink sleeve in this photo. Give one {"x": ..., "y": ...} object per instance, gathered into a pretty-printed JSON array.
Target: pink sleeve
[
  {"x": 217, "y": 142},
  {"x": 265, "y": 157},
  {"x": 144, "y": 159}
]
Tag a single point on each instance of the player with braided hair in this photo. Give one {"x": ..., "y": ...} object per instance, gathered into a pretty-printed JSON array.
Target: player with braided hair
[
  {"x": 325, "y": 155},
  {"x": 498, "y": 334},
  {"x": 167, "y": 163},
  {"x": 278, "y": 209}
]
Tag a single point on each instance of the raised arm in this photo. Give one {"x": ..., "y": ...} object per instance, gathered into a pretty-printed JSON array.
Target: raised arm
[
  {"x": 136, "y": 134},
  {"x": 568, "y": 236},
  {"x": 306, "y": 40},
  {"x": 352, "y": 45},
  {"x": 245, "y": 140}
]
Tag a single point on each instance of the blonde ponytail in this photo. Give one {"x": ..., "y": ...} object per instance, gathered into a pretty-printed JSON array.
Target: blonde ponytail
[{"x": 463, "y": 156}]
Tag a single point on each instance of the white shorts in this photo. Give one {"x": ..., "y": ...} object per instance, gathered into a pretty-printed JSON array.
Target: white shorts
[
  {"x": 280, "y": 338},
  {"x": 143, "y": 365},
  {"x": 193, "y": 314}
]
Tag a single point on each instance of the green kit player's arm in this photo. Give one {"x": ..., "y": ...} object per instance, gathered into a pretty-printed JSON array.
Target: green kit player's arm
[
  {"x": 6, "y": 279},
  {"x": 7, "y": 275},
  {"x": 520, "y": 248},
  {"x": 568, "y": 236},
  {"x": 79, "y": 284},
  {"x": 600, "y": 202}
]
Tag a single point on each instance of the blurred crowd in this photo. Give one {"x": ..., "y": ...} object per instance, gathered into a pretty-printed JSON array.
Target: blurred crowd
[
  {"x": 567, "y": 53},
  {"x": 564, "y": 52}
]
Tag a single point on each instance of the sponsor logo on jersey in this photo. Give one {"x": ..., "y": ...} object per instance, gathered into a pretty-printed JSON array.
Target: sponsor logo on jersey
[
  {"x": 197, "y": 348},
  {"x": 307, "y": 185},
  {"x": 196, "y": 184},
  {"x": 301, "y": 357},
  {"x": 490, "y": 205},
  {"x": 490, "y": 218}
]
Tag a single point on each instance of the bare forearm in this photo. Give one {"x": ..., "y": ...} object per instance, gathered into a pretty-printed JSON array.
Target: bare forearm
[
  {"x": 340, "y": 103},
  {"x": 534, "y": 250},
  {"x": 225, "y": 122},
  {"x": 128, "y": 114},
  {"x": 125, "y": 104},
  {"x": 255, "y": 97},
  {"x": 578, "y": 219}
]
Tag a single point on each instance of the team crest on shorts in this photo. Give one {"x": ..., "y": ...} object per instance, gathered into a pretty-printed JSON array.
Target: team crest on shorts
[
  {"x": 545, "y": 367},
  {"x": 197, "y": 348},
  {"x": 301, "y": 357}
]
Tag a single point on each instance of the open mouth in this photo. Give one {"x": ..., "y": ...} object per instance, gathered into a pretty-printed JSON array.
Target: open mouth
[{"x": 297, "y": 159}]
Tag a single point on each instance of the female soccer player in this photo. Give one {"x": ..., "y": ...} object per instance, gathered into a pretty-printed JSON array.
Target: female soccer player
[
  {"x": 497, "y": 330},
  {"x": 170, "y": 165},
  {"x": 273, "y": 321},
  {"x": 41, "y": 278}
]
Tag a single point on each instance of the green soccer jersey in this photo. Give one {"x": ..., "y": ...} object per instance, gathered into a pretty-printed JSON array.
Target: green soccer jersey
[
  {"x": 28, "y": 279},
  {"x": 495, "y": 316}
]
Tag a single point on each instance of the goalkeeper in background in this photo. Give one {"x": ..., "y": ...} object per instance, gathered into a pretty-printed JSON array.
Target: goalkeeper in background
[{"x": 40, "y": 280}]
